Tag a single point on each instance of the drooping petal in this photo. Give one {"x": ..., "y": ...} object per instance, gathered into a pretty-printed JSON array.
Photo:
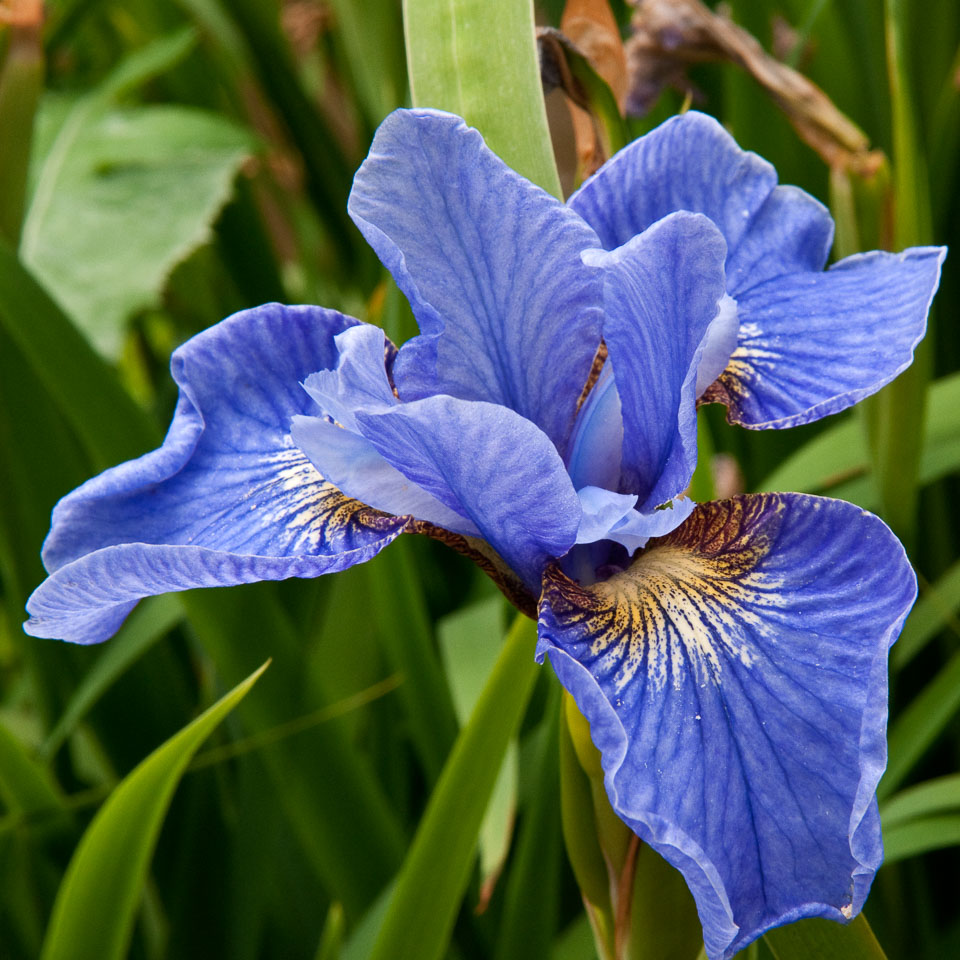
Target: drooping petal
[
  {"x": 662, "y": 289},
  {"x": 227, "y": 495},
  {"x": 687, "y": 163},
  {"x": 491, "y": 266},
  {"x": 353, "y": 465},
  {"x": 339, "y": 451},
  {"x": 734, "y": 677},
  {"x": 492, "y": 467},
  {"x": 812, "y": 344}
]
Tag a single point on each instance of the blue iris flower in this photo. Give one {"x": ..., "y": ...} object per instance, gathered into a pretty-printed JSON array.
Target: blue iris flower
[{"x": 730, "y": 657}]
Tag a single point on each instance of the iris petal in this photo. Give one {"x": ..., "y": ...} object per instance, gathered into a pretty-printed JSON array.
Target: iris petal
[
  {"x": 812, "y": 344},
  {"x": 491, "y": 266},
  {"x": 228, "y": 495},
  {"x": 734, "y": 677},
  {"x": 661, "y": 293},
  {"x": 687, "y": 163},
  {"x": 489, "y": 465}
]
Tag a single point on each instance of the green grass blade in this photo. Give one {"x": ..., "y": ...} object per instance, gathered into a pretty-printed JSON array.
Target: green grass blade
[
  {"x": 920, "y": 836},
  {"x": 825, "y": 940},
  {"x": 895, "y": 417},
  {"x": 400, "y": 611},
  {"x": 97, "y": 902},
  {"x": 933, "y": 797},
  {"x": 478, "y": 59},
  {"x": 153, "y": 619},
  {"x": 936, "y": 607},
  {"x": 335, "y": 807},
  {"x": 532, "y": 894},
  {"x": 433, "y": 879},
  {"x": 26, "y": 786},
  {"x": 921, "y": 723}
]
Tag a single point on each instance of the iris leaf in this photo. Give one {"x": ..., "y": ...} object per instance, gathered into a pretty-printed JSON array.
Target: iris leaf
[
  {"x": 936, "y": 607},
  {"x": 107, "y": 422},
  {"x": 919, "y": 725},
  {"x": 153, "y": 619},
  {"x": 933, "y": 797},
  {"x": 431, "y": 884},
  {"x": 470, "y": 640},
  {"x": 825, "y": 940},
  {"x": 452, "y": 45},
  {"x": 169, "y": 166},
  {"x": 920, "y": 836},
  {"x": 96, "y": 906}
]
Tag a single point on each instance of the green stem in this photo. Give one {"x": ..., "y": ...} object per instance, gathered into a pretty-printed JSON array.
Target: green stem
[{"x": 434, "y": 877}]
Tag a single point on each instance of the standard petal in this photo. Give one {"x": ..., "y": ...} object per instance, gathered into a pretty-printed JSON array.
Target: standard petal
[
  {"x": 662, "y": 290},
  {"x": 227, "y": 479},
  {"x": 812, "y": 344},
  {"x": 687, "y": 163},
  {"x": 491, "y": 266},
  {"x": 734, "y": 678},
  {"x": 492, "y": 467}
]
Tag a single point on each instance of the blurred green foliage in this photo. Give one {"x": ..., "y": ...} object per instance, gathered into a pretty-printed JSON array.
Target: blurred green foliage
[{"x": 192, "y": 158}]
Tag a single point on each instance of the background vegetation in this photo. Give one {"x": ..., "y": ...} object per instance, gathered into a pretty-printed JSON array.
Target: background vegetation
[{"x": 192, "y": 158}]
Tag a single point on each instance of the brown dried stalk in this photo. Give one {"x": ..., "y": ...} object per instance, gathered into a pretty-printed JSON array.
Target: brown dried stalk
[{"x": 670, "y": 35}]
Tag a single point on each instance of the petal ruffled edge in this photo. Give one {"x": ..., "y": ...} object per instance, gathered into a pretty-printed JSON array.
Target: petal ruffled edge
[
  {"x": 812, "y": 344},
  {"x": 859, "y": 620}
]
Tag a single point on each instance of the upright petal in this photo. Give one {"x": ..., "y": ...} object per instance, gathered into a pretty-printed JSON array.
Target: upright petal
[
  {"x": 812, "y": 344},
  {"x": 734, "y": 678},
  {"x": 227, "y": 498},
  {"x": 491, "y": 266},
  {"x": 661, "y": 291},
  {"x": 492, "y": 467},
  {"x": 691, "y": 163},
  {"x": 687, "y": 163}
]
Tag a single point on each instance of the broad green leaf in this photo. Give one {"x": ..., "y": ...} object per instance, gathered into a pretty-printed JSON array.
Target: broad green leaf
[
  {"x": 136, "y": 194},
  {"x": 470, "y": 640},
  {"x": 96, "y": 905},
  {"x": 933, "y": 797},
  {"x": 106, "y": 420},
  {"x": 920, "y": 836},
  {"x": 478, "y": 59},
  {"x": 825, "y": 940},
  {"x": 153, "y": 619},
  {"x": 936, "y": 607},
  {"x": 432, "y": 881},
  {"x": 919, "y": 725},
  {"x": 150, "y": 61}
]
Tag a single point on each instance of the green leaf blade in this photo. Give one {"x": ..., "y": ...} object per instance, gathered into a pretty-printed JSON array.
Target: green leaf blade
[{"x": 96, "y": 905}]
